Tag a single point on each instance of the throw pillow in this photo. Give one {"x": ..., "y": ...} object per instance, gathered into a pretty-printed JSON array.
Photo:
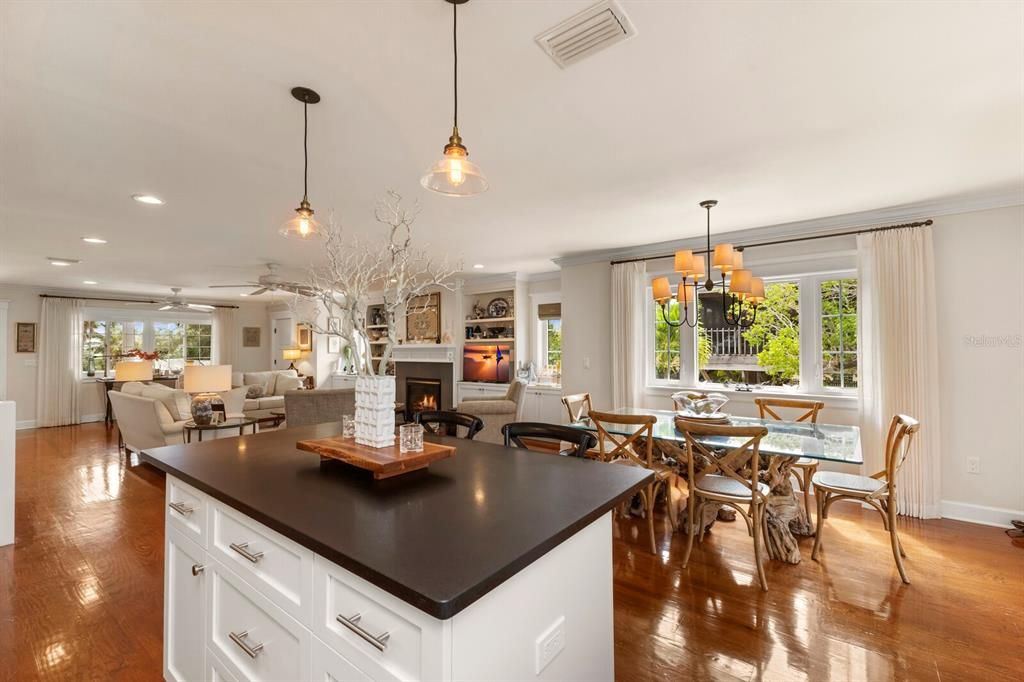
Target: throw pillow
[
  {"x": 254, "y": 391},
  {"x": 286, "y": 383}
]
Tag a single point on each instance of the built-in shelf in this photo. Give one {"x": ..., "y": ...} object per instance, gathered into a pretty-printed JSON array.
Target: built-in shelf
[
  {"x": 503, "y": 339},
  {"x": 486, "y": 320},
  {"x": 378, "y": 343},
  {"x": 376, "y": 326}
]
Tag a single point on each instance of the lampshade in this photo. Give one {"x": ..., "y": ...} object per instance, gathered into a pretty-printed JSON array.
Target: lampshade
[
  {"x": 129, "y": 370},
  {"x": 737, "y": 259},
  {"x": 291, "y": 354},
  {"x": 685, "y": 293},
  {"x": 684, "y": 262},
  {"x": 455, "y": 175},
  {"x": 723, "y": 258},
  {"x": 739, "y": 282},
  {"x": 662, "y": 289},
  {"x": 756, "y": 290},
  {"x": 698, "y": 267},
  {"x": 207, "y": 378}
]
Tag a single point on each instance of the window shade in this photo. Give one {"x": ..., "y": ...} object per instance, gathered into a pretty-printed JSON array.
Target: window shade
[{"x": 549, "y": 311}]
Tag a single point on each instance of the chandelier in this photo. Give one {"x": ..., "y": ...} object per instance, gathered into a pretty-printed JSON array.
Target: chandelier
[{"x": 742, "y": 295}]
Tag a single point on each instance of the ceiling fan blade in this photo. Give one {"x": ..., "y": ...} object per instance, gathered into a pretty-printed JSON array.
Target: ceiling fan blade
[
  {"x": 261, "y": 290},
  {"x": 230, "y": 286},
  {"x": 200, "y": 306},
  {"x": 166, "y": 307}
]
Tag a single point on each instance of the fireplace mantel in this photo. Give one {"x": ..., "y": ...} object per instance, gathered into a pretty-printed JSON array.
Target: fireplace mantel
[{"x": 423, "y": 352}]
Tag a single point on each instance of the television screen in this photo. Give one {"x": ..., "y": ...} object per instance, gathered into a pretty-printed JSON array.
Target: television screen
[{"x": 487, "y": 362}]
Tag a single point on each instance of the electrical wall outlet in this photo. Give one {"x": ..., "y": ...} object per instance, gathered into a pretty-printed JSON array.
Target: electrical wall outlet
[
  {"x": 550, "y": 644},
  {"x": 973, "y": 465}
]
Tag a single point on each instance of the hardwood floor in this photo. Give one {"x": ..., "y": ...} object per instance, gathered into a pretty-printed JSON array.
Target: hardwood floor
[{"x": 81, "y": 590}]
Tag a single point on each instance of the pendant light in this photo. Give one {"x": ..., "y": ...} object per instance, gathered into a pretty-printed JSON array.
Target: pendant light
[
  {"x": 303, "y": 225},
  {"x": 455, "y": 175}
]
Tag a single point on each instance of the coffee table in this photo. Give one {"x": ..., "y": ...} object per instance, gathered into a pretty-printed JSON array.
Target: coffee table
[{"x": 234, "y": 423}]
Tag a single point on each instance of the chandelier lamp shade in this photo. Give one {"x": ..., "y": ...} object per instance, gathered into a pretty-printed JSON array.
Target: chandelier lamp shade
[
  {"x": 303, "y": 225},
  {"x": 454, "y": 175},
  {"x": 742, "y": 293}
]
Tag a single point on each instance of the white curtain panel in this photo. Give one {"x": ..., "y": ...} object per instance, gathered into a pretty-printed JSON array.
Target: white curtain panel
[
  {"x": 899, "y": 358},
  {"x": 225, "y": 334},
  {"x": 629, "y": 289},
  {"x": 60, "y": 362}
]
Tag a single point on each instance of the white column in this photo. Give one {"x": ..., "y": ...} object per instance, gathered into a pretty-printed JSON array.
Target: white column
[{"x": 6, "y": 473}]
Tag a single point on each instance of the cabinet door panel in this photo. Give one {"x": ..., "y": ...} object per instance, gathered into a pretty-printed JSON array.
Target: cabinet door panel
[{"x": 185, "y": 601}]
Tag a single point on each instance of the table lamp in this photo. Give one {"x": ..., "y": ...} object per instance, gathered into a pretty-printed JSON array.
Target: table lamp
[
  {"x": 133, "y": 370},
  {"x": 291, "y": 354},
  {"x": 204, "y": 382}
]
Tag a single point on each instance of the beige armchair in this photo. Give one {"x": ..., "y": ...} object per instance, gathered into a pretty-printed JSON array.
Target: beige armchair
[
  {"x": 496, "y": 412},
  {"x": 144, "y": 422}
]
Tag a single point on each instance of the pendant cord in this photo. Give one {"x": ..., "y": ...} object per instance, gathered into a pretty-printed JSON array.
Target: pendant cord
[
  {"x": 305, "y": 151},
  {"x": 455, "y": 71}
]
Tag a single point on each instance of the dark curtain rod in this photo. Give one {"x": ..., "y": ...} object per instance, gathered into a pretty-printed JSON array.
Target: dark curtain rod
[
  {"x": 122, "y": 300},
  {"x": 776, "y": 242}
]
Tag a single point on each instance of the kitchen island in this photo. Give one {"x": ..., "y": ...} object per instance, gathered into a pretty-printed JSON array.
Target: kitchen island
[{"x": 493, "y": 564}]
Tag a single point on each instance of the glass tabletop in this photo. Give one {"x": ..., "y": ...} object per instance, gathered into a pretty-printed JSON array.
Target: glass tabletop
[
  {"x": 232, "y": 423},
  {"x": 825, "y": 442}
]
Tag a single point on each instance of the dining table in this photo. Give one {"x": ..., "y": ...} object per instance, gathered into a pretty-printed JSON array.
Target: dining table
[{"x": 785, "y": 443}]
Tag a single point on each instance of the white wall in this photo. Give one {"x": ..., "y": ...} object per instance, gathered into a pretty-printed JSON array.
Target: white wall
[
  {"x": 586, "y": 327},
  {"x": 25, "y": 306}
]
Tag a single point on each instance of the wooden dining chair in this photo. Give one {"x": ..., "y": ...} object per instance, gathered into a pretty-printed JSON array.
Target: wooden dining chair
[
  {"x": 805, "y": 467},
  {"x": 447, "y": 423},
  {"x": 728, "y": 478},
  {"x": 877, "y": 490},
  {"x": 578, "y": 406},
  {"x": 627, "y": 450},
  {"x": 553, "y": 438}
]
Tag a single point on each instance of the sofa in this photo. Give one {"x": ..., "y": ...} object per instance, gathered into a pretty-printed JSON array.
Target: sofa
[
  {"x": 318, "y": 407},
  {"x": 497, "y": 411},
  {"x": 265, "y": 390}
]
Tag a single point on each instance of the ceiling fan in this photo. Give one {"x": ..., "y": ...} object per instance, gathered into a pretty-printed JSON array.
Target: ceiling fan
[
  {"x": 177, "y": 303},
  {"x": 271, "y": 282}
]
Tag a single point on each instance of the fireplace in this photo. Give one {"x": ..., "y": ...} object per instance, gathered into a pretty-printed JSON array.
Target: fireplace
[{"x": 421, "y": 395}]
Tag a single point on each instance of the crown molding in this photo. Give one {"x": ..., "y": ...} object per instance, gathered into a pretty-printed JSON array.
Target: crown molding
[{"x": 808, "y": 228}]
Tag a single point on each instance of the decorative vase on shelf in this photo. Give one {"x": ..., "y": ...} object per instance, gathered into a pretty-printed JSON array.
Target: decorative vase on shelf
[{"x": 375, "y": 411}]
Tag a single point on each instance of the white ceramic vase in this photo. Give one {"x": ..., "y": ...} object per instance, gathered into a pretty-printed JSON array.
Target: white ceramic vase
[{"x": 375, "y": 411}]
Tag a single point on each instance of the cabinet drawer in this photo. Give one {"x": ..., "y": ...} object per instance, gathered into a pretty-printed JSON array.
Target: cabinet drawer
[
  {"x": 330, "y": 666},
  {"x": 251, "y": 637},
  {"x": 281, "y": 569},
  {"x": 382, "y": 635},
  {"x": 186, "y": 510}
]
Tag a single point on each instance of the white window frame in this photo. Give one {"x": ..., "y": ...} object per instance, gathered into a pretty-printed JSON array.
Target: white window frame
[
  {"x": 539, "y": 340},
  {"x": 148, "y": 318},
  {"x": 810, "y": 342}
]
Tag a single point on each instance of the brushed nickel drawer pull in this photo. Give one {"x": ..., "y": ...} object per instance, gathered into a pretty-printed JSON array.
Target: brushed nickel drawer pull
[
  {"x": 380, "y": 642},
  {"x": 181, "y": 508},
  {"x": 242, "y": 548},
  {"x": 197, "y": 569},
  {"x": 239, "y": 639}
]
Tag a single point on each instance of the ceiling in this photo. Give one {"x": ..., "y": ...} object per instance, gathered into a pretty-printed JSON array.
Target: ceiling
[{"x": 782, "y": 111}]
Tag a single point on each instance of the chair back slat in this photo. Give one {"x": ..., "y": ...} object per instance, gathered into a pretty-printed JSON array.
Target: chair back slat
[
  {"x": 447, "y": 423},
  {"x": 740, "y": 463},
  {"x": 577, "y": 405},
  {"x": 520, "y": 434},
  {"x": 810, "y": 407},
  {"x": 622, "y": 446},
  {"x": 897, "y": 445}
]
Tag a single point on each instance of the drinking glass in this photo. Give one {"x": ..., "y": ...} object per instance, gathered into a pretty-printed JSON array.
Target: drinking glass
[
  {"x": 410, "y": 438},
  {"x": 348, "y": 426}
]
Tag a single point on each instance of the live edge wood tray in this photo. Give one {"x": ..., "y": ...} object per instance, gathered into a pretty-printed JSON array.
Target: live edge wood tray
[{"x": 383, "y": 462}]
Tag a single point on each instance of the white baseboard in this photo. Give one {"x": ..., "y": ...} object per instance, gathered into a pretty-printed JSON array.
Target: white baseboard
[
  {"x": 89, "y": 418},
  {"x": 976, "y": 513},
  {"x": 25, "y": 424}
]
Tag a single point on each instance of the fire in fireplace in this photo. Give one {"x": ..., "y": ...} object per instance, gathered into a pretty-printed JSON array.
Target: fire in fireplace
[{"x": 421, "y": 395}]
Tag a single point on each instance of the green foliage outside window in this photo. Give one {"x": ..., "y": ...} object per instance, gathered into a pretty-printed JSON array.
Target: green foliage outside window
[
  {"x": 839, "y": 333},
  {"x": 554, "y": 345},
  {"x": 776, "y": 330}
]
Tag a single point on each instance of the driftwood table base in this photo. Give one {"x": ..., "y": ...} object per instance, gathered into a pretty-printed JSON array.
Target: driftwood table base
[{"x": 785, "y": 510}]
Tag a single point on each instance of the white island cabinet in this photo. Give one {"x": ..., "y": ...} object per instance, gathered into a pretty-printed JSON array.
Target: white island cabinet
[{"x": 243, "y": 602}]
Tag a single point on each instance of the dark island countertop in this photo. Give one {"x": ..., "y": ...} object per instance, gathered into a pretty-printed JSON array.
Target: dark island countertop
[{"x": 439, "y": 538}]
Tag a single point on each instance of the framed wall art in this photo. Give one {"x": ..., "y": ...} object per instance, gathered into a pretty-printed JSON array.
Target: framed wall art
[
  {"x": 25, "y": 337},
  {"x": 251, "y": 337},
  {"x": 423, "y": 319}
]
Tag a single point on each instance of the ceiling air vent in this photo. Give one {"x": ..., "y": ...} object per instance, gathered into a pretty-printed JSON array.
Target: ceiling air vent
[{"x": 593, "y": 29}]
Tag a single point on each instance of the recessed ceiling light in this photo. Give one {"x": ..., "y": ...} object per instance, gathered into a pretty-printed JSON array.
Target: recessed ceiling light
[
  {"x": 478, "y": 266},
  {"x": 243, "y": 294},
  {"x": 147, "y": 199},
  {"x": 94, "y": 240},
  {"x": 62, "y": 262},
  {"x": 89, "y": 281}
]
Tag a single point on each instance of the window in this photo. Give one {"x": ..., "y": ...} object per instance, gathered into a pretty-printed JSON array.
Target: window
[
  {"x": 667, "y": 357},
  {"x": 766, "y": 353},
  {"x": 804, "y": 337},
  {"x": 178, "y": 342},
  {"x": 105, "y": 340},
  {"x": 552, "y": 352},
  {"x": 839, "y": 333}
]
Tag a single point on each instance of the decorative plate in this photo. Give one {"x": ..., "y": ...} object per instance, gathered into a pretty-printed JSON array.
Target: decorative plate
[{"x": 498, "y": 308}]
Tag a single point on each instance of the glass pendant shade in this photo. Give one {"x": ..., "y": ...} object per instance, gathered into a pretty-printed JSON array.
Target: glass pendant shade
[
  {"x": 302, "y": 225},
  {"x": 739, "y": 283},
  {"x": 685, "y": 293},
  {"x": 756, "y": 295},
  {"x": 723, "y": 257},
  {"x": 662, "y": 289},
  {"x": 455, "y": 175},
  {"x": 684, "y": 262}
]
